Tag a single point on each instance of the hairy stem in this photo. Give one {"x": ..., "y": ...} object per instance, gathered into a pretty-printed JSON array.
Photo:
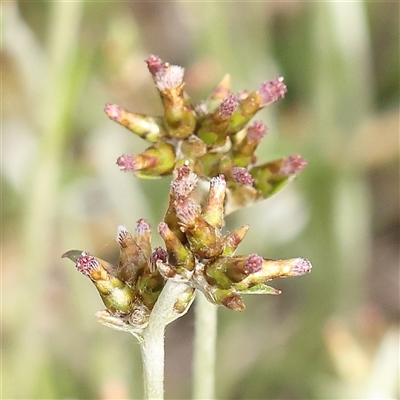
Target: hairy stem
[
  {"x": 152, "y": 346},
  {"x": 204, "y": 349}
]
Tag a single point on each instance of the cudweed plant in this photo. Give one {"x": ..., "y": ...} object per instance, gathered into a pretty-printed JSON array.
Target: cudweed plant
[{"x": 209, "y": 149}]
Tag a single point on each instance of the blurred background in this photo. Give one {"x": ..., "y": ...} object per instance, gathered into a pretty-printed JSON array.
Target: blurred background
[{"x": 333, "y": 334}]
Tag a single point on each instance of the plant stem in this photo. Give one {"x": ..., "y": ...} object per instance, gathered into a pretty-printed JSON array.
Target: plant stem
[
  {"x": 204, "y": 349},
  {"x": 152, "y": 346}
]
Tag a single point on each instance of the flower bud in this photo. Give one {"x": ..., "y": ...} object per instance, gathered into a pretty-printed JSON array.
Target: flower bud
[
  {"x": 193, "y": 148},
  {"x": 116, "y": 295},
  {"x": 266, "y": 94},
  {"x": 154, "y": 162},
  {"x": 185, "y": 300},
  {"x": 179, "y": 117},
  {"x": 232, "y": 240},
  {"x": 269, "y": 178},
  {"x": 245, "y": 145},
  {"x": 147, "y": 127},
  {"x": 184, "y": 182},
  {"x": 204, "y": 239},
  {"x": 213, "y": 128},
  {"x": 272, "y": 269},
  {"x": 271, "y": 91},
  {"x": 132, "y": 260},
  {"x": 228, "y": 298},
  {"x": 246, "y": 110},
  {"x": 224, "y": 272},
  {"x": 155, "y": 65},
  {"x": 149, "y": 287},
  {"x": 242, "y": 176},
  {"x": 214, "y": 164},
  {"x": 159, "y": 254},
  {"x": 214, "y": 210},
  {"x": 179, "y": 256},
  {"x": 143, "y": 237},
  {"x": 222, "y": 90}
]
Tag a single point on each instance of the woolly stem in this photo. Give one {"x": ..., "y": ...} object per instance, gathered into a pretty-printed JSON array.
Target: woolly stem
[
  {"x": 204, "y": 349},
  {"x": 152, "y": 346}
]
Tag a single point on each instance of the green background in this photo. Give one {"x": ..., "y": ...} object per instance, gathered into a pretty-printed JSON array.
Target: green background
[{"x": 332, "y": 334}]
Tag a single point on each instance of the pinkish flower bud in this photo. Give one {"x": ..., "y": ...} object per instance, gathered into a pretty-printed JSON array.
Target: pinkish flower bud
[
  {"x": 86, "y": 263},
  {"x": 155, "y": 161},
  {"x": 127, "y": 163},
  {"x": 158, "y": 254},
  {"x": 123, "y": 236},
  {"x": 179, "y": 116},
  {"x": 142, "y": 227},
  {"x": 232, "y": 240},
  {"x": 180, "y": 256},
  {"x": 272, "y": 269},
  {"x": 143, "y": 237},
  {"x": 145, "y": 126},
  {"x": 155, "y": 64},
  {"x": 301, "y": 266},
  {"x": 256, "y": 131},
  {"x": 222, "y": 90},
  {"x": 184, "y": 182},
  {"x": 233, "y": 301},
  {"x": 218, "y": 184},
  {"x": 254, "y": 263},
  {"x": 228, "y": 106},
  {"x": 169, "y": 78},
  {"x": 214, "y": 209},
  {"x": 117, "y": 296},
  {"x": 271, "y": 91},
  {"x": 164, "y": 231},
  {"x": 113, "y": 111},
  {"x": 292, "y": 165},
  {"x": 187, "y": 210},
  {"x": 132, "y": 259},
  {"x": 242, "y": 176}
]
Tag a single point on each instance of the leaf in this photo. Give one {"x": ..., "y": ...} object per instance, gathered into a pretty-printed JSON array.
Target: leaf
[{"x": 261, "y": 288}]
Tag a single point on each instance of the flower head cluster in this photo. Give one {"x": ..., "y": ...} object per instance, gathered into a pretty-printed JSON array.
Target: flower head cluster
[
  {"x": 215, "y": 143},
  {"x": 129, "y": 290},
  {"x": 214, "y": 137},
  {"x": 200, "y": 254},
  {"x": 197, "y": 253}
]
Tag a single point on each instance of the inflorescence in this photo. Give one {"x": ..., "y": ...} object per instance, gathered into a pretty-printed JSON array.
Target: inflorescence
[{"x": 211, "y": 142}]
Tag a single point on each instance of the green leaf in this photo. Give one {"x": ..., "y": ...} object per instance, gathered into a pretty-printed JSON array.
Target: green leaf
[{"x": 261, "y": 288}]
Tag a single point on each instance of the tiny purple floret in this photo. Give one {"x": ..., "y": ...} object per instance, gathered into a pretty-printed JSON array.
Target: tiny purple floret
[
  {"x": 218, "y": 181},
  {"x": 163, "y": 229},
  {"x": 122, "y": 234},
  {"x": 155, "y": 64},
  {"x": 242, "y": 176},
  {"x": 254, "y": 263},
  {"x": 292, "y": 165},
  {"x": 142, "y": 226},
  {"x": 228, "y": 105},
  {"x": 86, "y": 263},
  {"x": 184, "y": 182},
  {"x": 256, "y": 131},
  {"x": 113, "y": 111},
  {"x": 158, "y": 254},
  {"x": 271, "y": 91},
  {"x": 301, "y": 266},
  {"x": 187, "y": 210},
  {"x": 168, "y": 79},
  {"x": 126, "y": 162}
]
